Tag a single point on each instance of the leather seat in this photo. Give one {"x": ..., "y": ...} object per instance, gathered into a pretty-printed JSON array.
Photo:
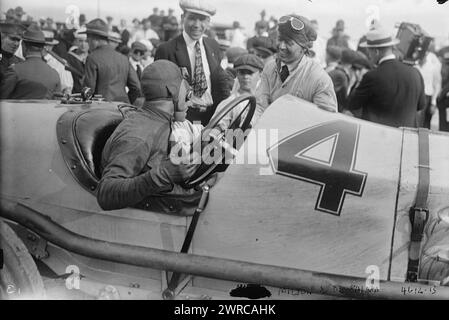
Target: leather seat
[{"x": 92, "y": 130}]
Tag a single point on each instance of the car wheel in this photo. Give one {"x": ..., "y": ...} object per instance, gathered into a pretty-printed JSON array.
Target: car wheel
[{"x": 19, "y": 277}]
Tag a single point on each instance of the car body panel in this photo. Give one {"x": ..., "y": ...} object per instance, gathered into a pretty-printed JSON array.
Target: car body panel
[{"x": 253, "y": 214}]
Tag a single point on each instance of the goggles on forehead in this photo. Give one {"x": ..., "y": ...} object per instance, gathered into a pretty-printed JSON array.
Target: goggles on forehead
[{"x": 295, "y": 23}]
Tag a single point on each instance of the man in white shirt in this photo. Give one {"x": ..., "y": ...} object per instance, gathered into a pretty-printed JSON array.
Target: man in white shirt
[
  {"x": 57, "y": 62},
  {"x": 200, "y": 58},
  {"x": 430, "y": 69},
  {"x": 138, "y": 51}
]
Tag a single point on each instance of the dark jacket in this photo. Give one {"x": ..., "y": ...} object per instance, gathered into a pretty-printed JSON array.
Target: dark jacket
[
  {"x": 108, "y": 73},
  {"x": 175, "y": 50},
  {"x": 391, "y": 95},
  {"x": 340, "y": 79},
  {"x": 131, "y": 160},
  {"x": 78, "y": 77},
  {"x": 31, "y": 79},
  {"x": 7, "y": 60}
]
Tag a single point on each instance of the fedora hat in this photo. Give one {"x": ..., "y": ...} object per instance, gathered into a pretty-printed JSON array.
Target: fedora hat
[
  {"x": 50, "y": 37},
  {"x": 34, "y": 34},
  {"x": 379, "y": 38},
  {"x": 97, "y": 27}
]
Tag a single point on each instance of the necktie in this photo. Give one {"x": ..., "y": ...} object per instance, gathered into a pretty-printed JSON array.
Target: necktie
[
  {"x": 199, "y": 78},
  {"x": 139, "y": 72},
  {"x": 284, "y": 73}
]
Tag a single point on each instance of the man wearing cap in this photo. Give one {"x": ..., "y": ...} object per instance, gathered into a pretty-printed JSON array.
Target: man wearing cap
[
  {"x": 261, "y": 28},
  {"x": 76, "y": 58},
  {"x": 108, "y": 72},
  {"x": 333, "y": 56},
  {"x": 248, "y": 68},
  {"x": 11, "y": 34},
  {"x": 33, "y": 78},
  {"x": 392, "y": 93},
  {"x": 138, "y": 167},
  {"x": 293, "y": 72},
  {"x": 138, "y": 51},
  {"x": 201, "y": 57},
  {"x": 265, "y": 48},
  {"x": 56, "y": 62}
]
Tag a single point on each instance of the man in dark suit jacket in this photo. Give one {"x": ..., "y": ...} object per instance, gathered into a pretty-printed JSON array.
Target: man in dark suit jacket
[
  {"x": 393, "y": 93},
  {"x": 33, "y": 78},
  {"x": 108, "y": 72},
  {"x": 200, "y": 58}
]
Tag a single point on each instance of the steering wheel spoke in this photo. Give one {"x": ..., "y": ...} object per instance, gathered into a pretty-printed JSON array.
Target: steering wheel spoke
[{"x": 217, "y": 140}]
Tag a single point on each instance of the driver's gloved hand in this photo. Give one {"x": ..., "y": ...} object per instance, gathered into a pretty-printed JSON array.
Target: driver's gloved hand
[{"x": 178, "y": 170}]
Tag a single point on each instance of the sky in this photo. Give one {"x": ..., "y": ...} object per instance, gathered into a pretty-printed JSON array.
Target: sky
[{"x": 430, "y": 15}]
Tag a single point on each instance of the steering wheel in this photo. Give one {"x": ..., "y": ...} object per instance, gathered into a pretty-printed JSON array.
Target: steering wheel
[{"x": 214, "y": 139}]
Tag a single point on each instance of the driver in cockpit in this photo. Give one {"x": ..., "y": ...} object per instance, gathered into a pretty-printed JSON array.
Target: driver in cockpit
[{"x": 137, "y": 168}]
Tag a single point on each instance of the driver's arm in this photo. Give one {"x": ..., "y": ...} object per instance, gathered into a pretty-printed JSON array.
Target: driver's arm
[{"x": 123, "y": 184}]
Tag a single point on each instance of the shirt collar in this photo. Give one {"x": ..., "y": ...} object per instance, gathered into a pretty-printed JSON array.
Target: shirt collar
[
  {"x": 388, "y": 57},
  {"x": 293, "y": 66},
  {"x": 189, "y": 41}
]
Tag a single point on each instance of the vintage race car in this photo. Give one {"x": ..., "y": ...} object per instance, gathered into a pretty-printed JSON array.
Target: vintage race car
[{"x": 314, "y": 205}]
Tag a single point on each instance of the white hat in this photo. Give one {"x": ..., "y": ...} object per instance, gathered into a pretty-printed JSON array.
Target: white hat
[
  {"x": 147, "y": 44},
  {"x": 80, "y": 33},
  {"x": 378, "y": 37},
  {"x": 201, "y": 7},
  {"x": 50, "y": 38}
]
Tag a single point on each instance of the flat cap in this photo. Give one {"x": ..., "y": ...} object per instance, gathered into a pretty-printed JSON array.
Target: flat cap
[
  {"x": 265, "y": 44},
  {"x": 234, "y": 52},
  {"x": 248, "y": 62},
  {"x": 137, "y": 45},
  {"x": 201, "y": 7}
]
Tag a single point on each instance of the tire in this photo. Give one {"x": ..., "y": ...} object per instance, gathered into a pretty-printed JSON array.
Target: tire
[{"x": 19, "y": 277}]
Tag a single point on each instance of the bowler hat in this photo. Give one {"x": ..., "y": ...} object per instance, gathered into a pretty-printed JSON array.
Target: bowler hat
[
  {"x": 34, "y": 35},
  {"x": 201, "y": 7},
  {"x": 248, "y": 62},
  {"x": 160, "y": 80},
  {"x": 378, "y": 37},
  {"x": 97, "y": 27},
  {"x": 12, "y": 29}
]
